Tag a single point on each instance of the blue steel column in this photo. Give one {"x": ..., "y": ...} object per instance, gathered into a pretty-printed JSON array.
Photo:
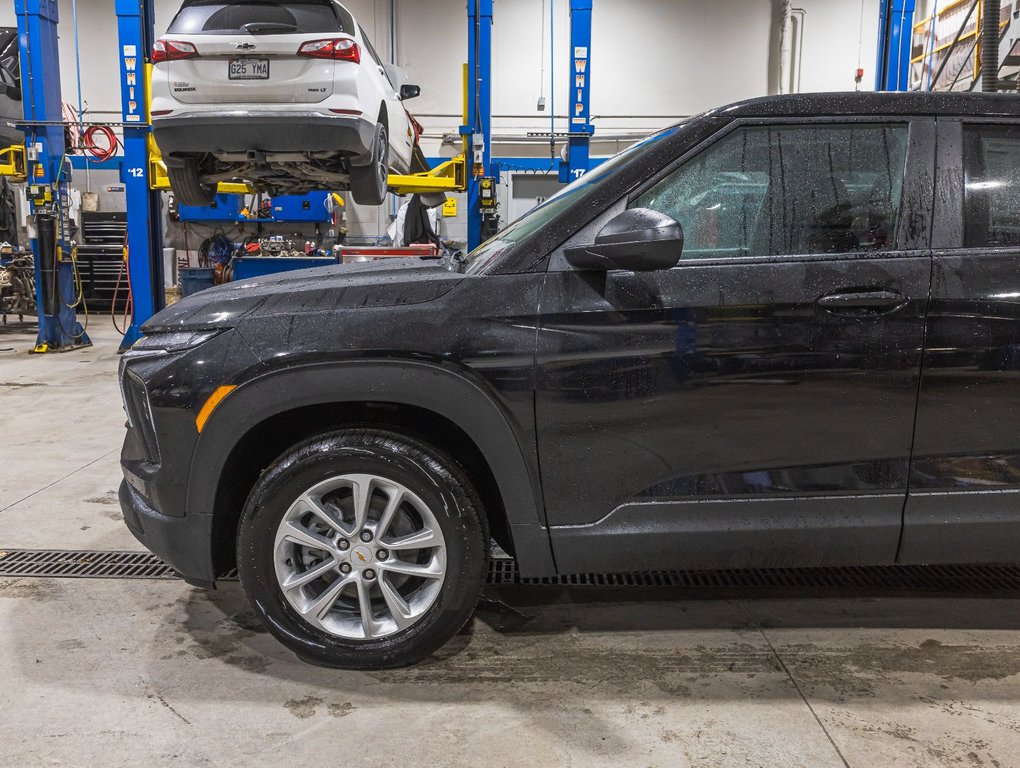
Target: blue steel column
[
  {"x": 479, "y": 108},
  {"x": 579, "y": 147},
  {"x": 40, "y": 77},
  {"x": 144, "y": 236},
  {"x": 895, "y": 32}
]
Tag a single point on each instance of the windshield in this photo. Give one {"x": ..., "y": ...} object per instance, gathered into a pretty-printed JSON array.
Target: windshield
[
  {"x": 219, "y": 17},
  {"x": 485, "y": 255}
]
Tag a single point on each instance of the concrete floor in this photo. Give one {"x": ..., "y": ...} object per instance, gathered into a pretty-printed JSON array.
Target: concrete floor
[{"x": 111, "y": 673}]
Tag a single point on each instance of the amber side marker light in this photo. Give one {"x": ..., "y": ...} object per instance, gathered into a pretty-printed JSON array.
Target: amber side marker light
[{"x": 210, "y": 405}]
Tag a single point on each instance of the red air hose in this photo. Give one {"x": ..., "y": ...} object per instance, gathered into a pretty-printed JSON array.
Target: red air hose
[{"x": 100, "y": 141}]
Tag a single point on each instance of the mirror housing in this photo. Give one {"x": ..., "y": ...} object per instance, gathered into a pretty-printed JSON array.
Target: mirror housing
[
  {"x": 409, "y": 92},
  {"x": 638, "y": 240}
]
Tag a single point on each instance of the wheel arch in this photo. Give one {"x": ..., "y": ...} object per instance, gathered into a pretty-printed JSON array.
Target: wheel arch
[{"x": 420, "y": 398}]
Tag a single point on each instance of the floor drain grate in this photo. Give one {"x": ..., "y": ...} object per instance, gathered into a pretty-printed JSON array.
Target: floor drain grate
[
  {"x": 69, "y": 564},
  {"x": 903, "y": 578}
]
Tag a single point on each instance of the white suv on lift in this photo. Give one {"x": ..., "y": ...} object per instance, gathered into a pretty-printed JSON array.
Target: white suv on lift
[{"x": 289, "y": 96}]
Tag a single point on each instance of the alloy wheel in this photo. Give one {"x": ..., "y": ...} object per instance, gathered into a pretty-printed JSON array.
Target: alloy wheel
[{"x": 360, "y": 556}]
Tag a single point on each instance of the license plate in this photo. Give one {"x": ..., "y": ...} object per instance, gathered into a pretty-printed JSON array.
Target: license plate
[{"x": 249, "y": 69}]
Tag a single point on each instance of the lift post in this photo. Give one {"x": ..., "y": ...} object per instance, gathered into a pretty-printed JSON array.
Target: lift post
[
  {"x": 47, "y": 177},
  {"x": 477, "y": 128},
  {"x": 135, "y": 31},
  {"x": 895, "y": 29},
  {"x": 579, "y": 129}
]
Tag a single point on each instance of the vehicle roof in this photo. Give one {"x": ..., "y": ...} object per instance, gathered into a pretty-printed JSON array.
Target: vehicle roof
[{"x": 871, "y": 103}]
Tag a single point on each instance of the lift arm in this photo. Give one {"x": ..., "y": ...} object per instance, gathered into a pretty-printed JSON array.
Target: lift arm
[{"x": 12, "y": 163}]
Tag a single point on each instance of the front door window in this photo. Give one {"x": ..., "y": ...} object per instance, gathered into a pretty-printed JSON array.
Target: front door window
[{"x": 786, "y": 190}]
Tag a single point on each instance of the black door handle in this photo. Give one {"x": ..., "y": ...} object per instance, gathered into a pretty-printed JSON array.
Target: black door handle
[{"x": 868, "y": 301}]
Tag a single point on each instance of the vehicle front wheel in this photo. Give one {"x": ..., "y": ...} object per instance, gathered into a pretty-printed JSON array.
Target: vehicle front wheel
[
  {"x": 363, "y": 549},
  {"x": 186, "y": 186},
  {"x": 369, "y": 182}
]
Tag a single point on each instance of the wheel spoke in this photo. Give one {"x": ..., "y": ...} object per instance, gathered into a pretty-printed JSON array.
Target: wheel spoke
[
  {"x": 298, "y": 534},
  {"x": 417, "y": 540},
  {"x": 317, "y": 509},
  {"x": 399, "y": 609},
  {"x": 365, "y": 606},
  {"x": 394, "y": 501},
  {"x": 362, "y": 498},
  {"x": 300, "y": 579},
  {"x": 432, "y": 570},
  {"x": 318, "y": 607}
]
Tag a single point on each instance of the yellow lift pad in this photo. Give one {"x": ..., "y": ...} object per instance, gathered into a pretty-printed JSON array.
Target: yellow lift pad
[{"x": 12, "y": 163}]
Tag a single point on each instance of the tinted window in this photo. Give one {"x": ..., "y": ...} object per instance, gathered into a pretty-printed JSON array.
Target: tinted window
[
  {"x": 992, "y": 186},
  {"x": 201, "y": 17},
  {"x": 785, "y": 190}
]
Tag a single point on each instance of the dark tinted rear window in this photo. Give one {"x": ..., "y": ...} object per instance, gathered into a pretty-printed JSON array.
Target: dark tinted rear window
[
  {"x": 207, "y": 17},
  {"x": 992, "y": 185}
]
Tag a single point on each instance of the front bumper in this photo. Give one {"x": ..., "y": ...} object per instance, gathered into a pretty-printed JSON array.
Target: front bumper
[
  {"x": 163, "y": 393},
  {"x": 249, "y": 131},
  {"x": 183, "y": 543}
]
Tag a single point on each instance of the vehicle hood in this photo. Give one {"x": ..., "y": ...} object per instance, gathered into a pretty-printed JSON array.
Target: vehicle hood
[{"x": 384, "y": 283}]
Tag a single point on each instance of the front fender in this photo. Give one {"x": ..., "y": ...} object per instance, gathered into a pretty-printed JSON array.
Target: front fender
[{"x": 444, "y": 391}]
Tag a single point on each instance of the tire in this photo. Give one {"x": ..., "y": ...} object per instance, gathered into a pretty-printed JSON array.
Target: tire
[
  {"x": 323, "y": 620},
  {"x": 369, "y": 182},
  {"x": 186, "y": 186}
]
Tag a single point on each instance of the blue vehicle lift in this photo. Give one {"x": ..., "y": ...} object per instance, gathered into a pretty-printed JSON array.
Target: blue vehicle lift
[
  {"x": 482, "y": 178},
  {"x": 580, "y": 131},
  {"x": 47, "y": 177},
  {"x": 136, "y": 34},
  {"x": 895, "y": 26}
]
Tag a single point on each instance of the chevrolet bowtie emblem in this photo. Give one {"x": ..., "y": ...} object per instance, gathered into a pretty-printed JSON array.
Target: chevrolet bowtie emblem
[{"x": 245, "y": 46}]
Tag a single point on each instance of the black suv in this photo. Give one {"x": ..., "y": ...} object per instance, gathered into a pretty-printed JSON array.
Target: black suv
[{"x": 783, "y": 333}]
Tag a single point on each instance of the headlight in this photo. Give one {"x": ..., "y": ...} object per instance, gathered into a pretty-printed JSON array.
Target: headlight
[{"x": 176, "y": 341}]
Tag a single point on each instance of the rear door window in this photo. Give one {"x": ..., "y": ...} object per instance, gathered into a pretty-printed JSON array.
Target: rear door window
[
  {"x": 991, "y": 161},
  {"x": 788, "y": 190},
  {"x": 200, "y": 17}
]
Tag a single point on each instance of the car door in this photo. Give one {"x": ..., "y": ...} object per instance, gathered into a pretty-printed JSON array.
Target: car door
[
  {"x": 401, "y": 135},
  {"x": 754, "y": 405},
  {"x": 964, "y": 502}
]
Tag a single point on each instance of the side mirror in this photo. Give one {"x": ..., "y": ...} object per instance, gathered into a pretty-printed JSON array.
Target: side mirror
[
  {"x": 638, "y": 240},
  {"x": 409, "y": 92}
]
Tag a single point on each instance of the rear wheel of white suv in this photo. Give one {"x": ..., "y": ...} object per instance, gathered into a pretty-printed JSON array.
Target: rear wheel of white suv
[
  {"x": 369, "y": 182},
  {"x": 187, "y": 187}
]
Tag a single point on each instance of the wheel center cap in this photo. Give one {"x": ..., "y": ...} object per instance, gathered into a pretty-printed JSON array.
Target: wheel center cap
[{"x": 361, "y": 557}]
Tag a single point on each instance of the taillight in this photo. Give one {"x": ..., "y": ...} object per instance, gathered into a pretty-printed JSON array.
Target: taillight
[
  {"x": 171, "y": 50},
  {"x": 343, "y": 49}
]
